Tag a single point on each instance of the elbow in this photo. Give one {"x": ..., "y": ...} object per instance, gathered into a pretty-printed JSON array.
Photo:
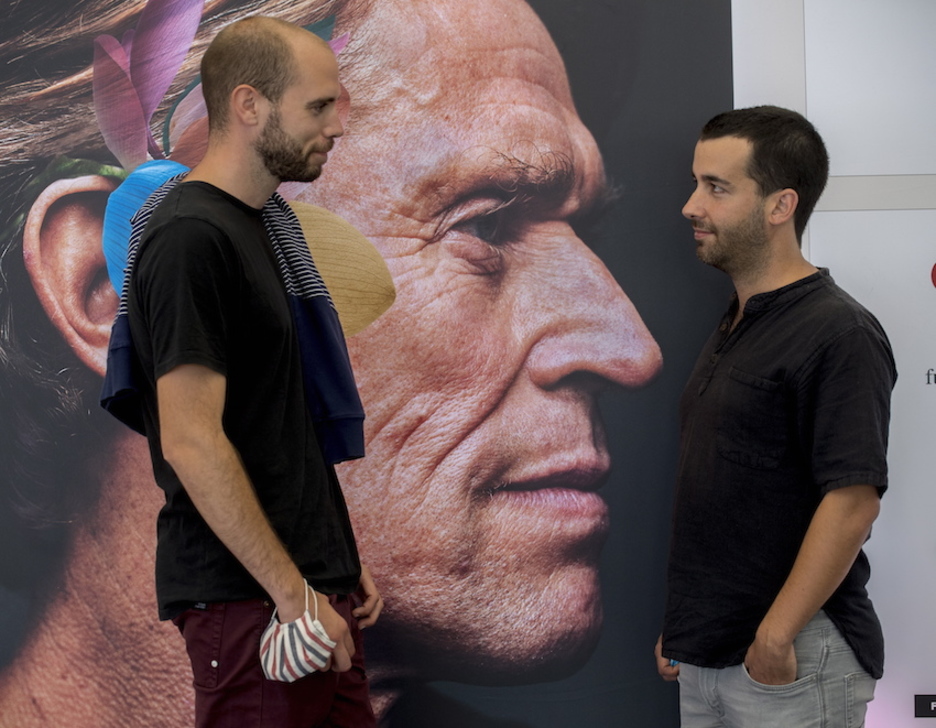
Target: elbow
[
  {"x": 853, "y": 509},
  {"x": 182, "y": 450},
  {"x": 872, "y": 511},
  {"x": 174, "y": 452},
  {"x": 866, "y": 509}
]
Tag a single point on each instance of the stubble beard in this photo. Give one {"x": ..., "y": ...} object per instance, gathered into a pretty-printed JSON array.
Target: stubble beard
[
  {"x": 738, "y": 250},
  {"x": 282, "y": 156}
]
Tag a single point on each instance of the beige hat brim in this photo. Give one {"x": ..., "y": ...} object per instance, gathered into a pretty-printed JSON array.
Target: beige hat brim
[{"x": 353, "y": 270}]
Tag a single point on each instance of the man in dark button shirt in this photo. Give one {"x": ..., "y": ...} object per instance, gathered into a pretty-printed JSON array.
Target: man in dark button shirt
[{"x": 783, "y": 453}]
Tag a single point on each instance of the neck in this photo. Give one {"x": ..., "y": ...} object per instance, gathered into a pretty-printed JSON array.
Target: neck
[
  {"x": 97, "y": 655},
  {"x": 385, "y": 677},
  {"x": 382, "y": 699},
  {"x": 234, "y": 168},
  {"x": 782, "y": 265}
]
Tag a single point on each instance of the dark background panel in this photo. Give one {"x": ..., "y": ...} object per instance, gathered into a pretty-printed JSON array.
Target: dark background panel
[{"x": 646, "y": 75}]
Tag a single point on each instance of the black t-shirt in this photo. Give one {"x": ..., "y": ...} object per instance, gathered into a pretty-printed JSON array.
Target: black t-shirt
[
  {"x": 206, "y": 290},
  {"x": 793, "y": 403}
]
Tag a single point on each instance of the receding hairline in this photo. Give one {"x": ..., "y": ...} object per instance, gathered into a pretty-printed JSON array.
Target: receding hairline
[
  {"x": 262, "y": 52},
  {"x": 289, "y": 32}
]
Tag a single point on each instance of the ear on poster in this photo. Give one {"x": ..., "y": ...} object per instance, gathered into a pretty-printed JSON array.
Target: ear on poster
[{"x": 63, "y": 257}]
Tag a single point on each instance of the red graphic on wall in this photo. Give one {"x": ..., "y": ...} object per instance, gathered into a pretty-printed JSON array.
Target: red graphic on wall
[{"x": 933, "y": 275}]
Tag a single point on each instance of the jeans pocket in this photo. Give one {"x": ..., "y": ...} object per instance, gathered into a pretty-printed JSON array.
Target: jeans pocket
[
  {"x": 859, "y": 691},
  {"x": 201, "y": 629},
  {"x": 798, "y": 703},
  {"x": 795, "y": 687}
]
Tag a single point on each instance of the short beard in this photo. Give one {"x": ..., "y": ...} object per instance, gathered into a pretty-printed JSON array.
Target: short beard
[
  {"x": 282, "y": 156},
  {"x": 739, "y": 249}
]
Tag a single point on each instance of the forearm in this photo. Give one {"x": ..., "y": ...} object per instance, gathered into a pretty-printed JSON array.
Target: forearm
[
  {"x": 219, "y": 487},
  {"x": 191, "y": 404},
  {"x": 836, "y": 533},
  {"x": 838, "y": 529},
  {"x": 213, "y": 475}
]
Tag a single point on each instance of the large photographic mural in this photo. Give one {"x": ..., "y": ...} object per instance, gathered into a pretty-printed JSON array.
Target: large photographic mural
[{"x": 520, "y": 167}]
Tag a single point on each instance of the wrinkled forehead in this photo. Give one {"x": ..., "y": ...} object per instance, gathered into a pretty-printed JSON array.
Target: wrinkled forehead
[
  {"x": 467, "y": 84},
  {"x": 443, "y": 47}
]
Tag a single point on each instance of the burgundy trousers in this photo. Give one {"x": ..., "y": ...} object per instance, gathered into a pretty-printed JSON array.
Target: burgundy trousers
[{"x": 223, "y": 644}]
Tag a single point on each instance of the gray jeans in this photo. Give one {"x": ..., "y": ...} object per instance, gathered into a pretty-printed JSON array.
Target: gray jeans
[{"x": 831, "y": 689}]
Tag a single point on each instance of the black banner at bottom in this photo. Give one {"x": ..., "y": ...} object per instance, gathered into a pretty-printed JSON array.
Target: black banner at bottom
[{"x": 925, "y": 706}]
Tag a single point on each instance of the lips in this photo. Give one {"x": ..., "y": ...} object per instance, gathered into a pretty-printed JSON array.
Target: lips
[
  {"x": 587, "y": 475},
  {"x": 322, "y": 151},
  {"x": 563, "y": 500}
]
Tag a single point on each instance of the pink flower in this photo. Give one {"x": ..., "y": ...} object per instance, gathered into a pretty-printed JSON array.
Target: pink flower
[{"x": 132, "y": 76}]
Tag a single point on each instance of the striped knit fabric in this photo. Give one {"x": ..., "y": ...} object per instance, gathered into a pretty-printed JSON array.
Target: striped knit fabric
[
  {"x": 300, "y": 275},
  {"x": 331, "y": 394}
]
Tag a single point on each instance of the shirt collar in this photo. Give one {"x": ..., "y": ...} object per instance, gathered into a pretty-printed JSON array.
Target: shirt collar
[{"x": 789, "y": 293}]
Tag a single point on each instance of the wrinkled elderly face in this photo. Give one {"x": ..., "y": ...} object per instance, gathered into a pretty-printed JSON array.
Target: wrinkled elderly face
[{"x": 476, "y": 506}]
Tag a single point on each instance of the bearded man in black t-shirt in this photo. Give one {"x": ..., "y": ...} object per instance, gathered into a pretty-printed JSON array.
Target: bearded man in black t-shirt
[{"x": 254, "y": 519}]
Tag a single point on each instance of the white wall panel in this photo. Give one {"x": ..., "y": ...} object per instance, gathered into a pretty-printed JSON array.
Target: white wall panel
[{"x": 863, "y": 71}]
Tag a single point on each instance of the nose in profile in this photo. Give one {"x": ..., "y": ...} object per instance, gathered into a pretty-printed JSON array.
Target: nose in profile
[
  {"x": 692, "y": 209},
  {"x": 589, "y": 326}
]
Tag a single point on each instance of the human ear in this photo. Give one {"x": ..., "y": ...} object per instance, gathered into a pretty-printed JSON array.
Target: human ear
[
  {"x": 247, "y": 105},
  {"x": 65, "y": 262},
  {"x": 783, "y": 206}
]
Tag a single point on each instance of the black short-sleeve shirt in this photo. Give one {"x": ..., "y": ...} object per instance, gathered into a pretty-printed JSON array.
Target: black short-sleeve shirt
[
  {"x": 791, "y": 404},
  {"x": 206, "y": 290}
]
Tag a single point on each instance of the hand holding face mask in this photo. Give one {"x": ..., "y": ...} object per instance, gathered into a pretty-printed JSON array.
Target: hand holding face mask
[{"x": 296, "y": 649}]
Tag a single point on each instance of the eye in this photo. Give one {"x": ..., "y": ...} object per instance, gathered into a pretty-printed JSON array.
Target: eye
[
  {"x": 480, "y": 231},
  {"x": 489, "y": 227}
]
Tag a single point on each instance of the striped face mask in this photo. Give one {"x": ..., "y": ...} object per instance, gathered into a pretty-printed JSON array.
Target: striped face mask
[{"x": 296, "y": 649}]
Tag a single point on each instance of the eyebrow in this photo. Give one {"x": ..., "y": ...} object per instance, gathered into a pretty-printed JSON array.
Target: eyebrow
[
  {"x": 323, "y": 100},
  {"x": 544, "y": 184},
  {"x": 712, "y": 179}
]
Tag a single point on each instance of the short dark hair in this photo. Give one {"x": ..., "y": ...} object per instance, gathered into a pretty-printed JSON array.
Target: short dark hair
[
  {"x": 253, "y": 51},
  {"x": 787, "y": 152}
]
